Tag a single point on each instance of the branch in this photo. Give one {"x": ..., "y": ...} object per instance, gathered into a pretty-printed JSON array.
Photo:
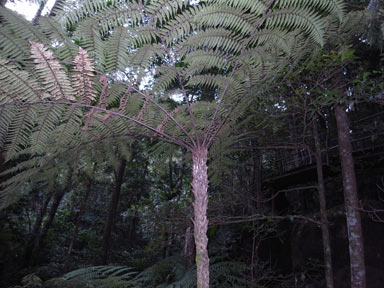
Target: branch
[{"x": 114, "y": 113}]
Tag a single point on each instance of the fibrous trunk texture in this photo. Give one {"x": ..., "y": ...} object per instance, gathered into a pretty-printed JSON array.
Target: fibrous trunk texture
[
  {"x": 323, "y": 210},
  {"x": 200, "y": 205},
  {"x": 351, "y": 201}
]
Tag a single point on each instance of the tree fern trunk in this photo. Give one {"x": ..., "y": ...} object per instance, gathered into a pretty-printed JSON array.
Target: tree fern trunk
[
  {"x": 323, "y": 210},
  {"x": 351, "y": 201},
  {"x": 200, "y": 205}
]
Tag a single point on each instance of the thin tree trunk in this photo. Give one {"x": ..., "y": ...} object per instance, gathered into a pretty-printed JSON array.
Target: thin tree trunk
[
  {"x": 37, "y": 227},
  {"x": 39, "y": 11},
  {"x": 355, "y": 233},
  {"x": 57, "y": 197},
  {"x": 112, "y": 212},
  {"x": 77, "y": 225},
  {"x": 189, "y": 248},
  {"x": 323, "y": 209},
  {"x": 200, "y": 205},
  {"x": 255, "y": 181}
]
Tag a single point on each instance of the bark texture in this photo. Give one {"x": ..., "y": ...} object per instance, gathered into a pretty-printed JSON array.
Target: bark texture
[
  {"x": 112, "y": 212},
  {"x": 200, "y": 205},
  {"x": 355, "y": 234},
  {"x": 323, "y": 210}
]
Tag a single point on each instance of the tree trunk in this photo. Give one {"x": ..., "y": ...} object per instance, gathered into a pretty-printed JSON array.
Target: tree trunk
[
  {"x": 57, "y": 197},
  {"x": 112, "y": 212},
  {"x": 255, "y": 182},
  {"x": 323, "y": 209},
  {"x": 37, "y": 227},
  {"x": 200, "y": 205},
  {"x": 77, "y": 225},
  {"x": 355, "y": 234},
  {"x": 2, "y": 3},
  {"x": 189, "y": 248},
  {"x": 39, "y": 11}
]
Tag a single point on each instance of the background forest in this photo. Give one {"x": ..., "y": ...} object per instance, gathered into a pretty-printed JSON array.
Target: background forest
[{"x": 155, "y": 143}]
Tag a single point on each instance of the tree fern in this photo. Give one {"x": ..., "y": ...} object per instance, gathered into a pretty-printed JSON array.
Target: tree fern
[
  {"x": 100, "y": 272},
  {"x": 66, "y": 50},
  {"x": 119, "y": 46},
  {"x": 17, "y": 86},
  {"x": 55, "y": 81},
  {"x": 83, "y": 78},
  {"x": 21, "y": 27}
]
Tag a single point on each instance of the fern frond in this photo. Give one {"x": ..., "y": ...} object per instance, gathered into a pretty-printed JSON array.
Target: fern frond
[
  {"x": 255, "y": 7},
  {"x": 7, "y": 114},
  {"x": 230, "y": 18},
  {"x": 19, "y": 131},
  {"x": 48, "y": 117},
  {"x": 332, "y": 7},
  {"x": 119, "y": 46},
  {"x": 103, "y": 99},
  {"x": 56, "y": 82},
  {"x": 100, "y": 272},
  {"x": 12, "y": 46},
  {"x": 21, "y": 27},
  {"x": 163, "y": 10},
  {"x": 177, "y": 29},
  {"x": 64, "y": 48},
  {"x": 119, "y": 15},
  {"x": 304, "y": 20},
  {"x": 70, "y": 126},
  {"x": 17, "y": 85},
  {"x": 143, "y": 57},
  {"x": 82, "y": 78},
  {"x": 213, "y": 38},
  {"x": 144, "y": 35},
  {"x": 204, "y": 60},
  {"x": 87, "y": 7},
  {"x": 90, "y": 39},
  {"x": 164, "y": 77}
]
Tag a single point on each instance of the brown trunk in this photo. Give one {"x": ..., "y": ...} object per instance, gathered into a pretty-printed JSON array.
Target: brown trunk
[
  {"x": 39, "y": 11},
  {"x": 255, "y": 181},
  {"x": 37, "y": 227},
  {"x": 77, "y": 225},
  {"x": 200, "y": 205},
  {"x": 323, "y": 209},
  {"x": 355, "y": 234},
  {"x": 112, "y": 212},
  {"x": 189, "y": 248},
  {"x": 57, "y": 197}
]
